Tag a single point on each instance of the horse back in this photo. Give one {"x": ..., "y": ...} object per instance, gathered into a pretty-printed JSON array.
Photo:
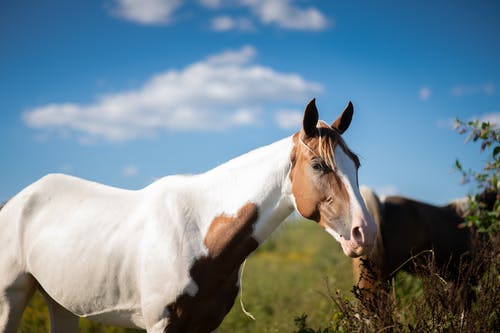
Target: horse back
[
  {"x": 410, "y": 227},
  {"x": 78, "y": 239}
]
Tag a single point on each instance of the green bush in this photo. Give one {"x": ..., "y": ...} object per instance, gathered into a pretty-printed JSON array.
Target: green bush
[{"x": 484, "y": 219}]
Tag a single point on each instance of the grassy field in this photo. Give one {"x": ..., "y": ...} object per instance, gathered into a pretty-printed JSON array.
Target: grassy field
[
  {"x": 284, "y": 278},
  {"x": 287, "y": 277}
]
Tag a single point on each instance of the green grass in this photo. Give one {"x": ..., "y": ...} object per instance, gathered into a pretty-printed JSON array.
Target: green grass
[{"x": 286, "y": 277}]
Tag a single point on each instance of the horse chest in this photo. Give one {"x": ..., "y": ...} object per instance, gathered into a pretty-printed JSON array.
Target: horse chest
[
  {"x": 229, "y": 241},
  {"x": 204, "y": 311}
]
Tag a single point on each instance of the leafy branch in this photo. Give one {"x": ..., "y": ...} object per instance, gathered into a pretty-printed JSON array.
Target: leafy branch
[{"x": 484, "y": 207}]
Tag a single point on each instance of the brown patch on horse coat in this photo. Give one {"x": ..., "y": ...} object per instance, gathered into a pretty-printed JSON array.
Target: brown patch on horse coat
[{"x": 229, "y": 241}]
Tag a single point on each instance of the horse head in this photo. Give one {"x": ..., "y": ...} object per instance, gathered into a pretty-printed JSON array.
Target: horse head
[{"x": 324, "y": 177}]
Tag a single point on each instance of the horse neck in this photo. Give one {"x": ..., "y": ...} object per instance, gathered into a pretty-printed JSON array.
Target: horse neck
[{"x": 259, "y": 177}]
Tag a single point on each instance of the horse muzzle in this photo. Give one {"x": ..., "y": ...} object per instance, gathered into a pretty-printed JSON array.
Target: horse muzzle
[
  {"x": 354, "y": 250},
  {"x": 362, "y": 238}
]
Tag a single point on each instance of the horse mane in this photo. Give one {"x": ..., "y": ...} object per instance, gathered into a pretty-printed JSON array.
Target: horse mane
[{"x": 329, "y": 138}]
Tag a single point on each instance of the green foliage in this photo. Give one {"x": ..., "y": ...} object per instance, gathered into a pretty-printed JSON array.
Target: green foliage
[
  {"x": 437, "y": 305},
  {"x": 302, "y": 327},
  {"x": 484, "y": 219},
  {"x": 36, "y": 318}
]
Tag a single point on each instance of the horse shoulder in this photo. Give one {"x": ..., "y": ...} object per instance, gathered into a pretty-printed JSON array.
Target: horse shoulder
[{"x": 170, "y": 244}]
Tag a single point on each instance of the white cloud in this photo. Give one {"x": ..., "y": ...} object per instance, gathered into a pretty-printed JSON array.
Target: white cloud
[
  {"x": 130, "y": 171},
  {"x": 286, "y": 15},
  {"x": 226, "y": 23},
  {"x": 387, "y": 190},
  {"x": 214, "y": 4},
  {"x": 245, "y": 117},
  {"x": 149, "y": 12},
  {"x": 282, "y": 13},
  {"x": 288, "y": 119},
  {"x": 233, "y": 57},
  {"x": 222, "y": 91},
  {"x": 464, "y": 90},
  {"x": 424, "y": 93},
  {"x": 223, "y": 23},
  {"x": 446, "y": 123},
  {"x": 491, "y": 117}
]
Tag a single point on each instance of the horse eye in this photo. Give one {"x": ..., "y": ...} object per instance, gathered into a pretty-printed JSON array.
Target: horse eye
[{"x": 320, "y": 166}]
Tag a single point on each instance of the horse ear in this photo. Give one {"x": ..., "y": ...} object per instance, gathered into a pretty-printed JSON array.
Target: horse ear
[
  {"x": 344, "y": 120},
  {"x": 310, "y": 118}
]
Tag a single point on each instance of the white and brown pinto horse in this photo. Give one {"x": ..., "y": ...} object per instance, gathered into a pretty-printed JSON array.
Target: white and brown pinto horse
[{"x": 167, "y": 257}]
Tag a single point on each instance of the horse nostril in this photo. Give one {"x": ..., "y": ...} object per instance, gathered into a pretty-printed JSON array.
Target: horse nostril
[{"x": 357, "y": 235}]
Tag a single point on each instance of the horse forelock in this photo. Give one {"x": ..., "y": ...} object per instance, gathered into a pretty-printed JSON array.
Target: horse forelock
[{"x": 328, "y": 139}]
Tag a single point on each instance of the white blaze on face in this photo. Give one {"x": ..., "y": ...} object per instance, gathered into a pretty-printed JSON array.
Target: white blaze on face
[
  {"x": 347, "y": 171},
  {"x": 361, "y": 230}
]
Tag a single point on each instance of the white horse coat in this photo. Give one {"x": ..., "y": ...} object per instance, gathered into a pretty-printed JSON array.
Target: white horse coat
[{"x": 163, "y": 258}]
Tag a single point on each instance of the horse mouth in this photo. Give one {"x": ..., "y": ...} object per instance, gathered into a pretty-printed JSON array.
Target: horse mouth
[
  {"x": 345, "y": 243},
  {"x": 351, "y": 248},
  {"x": 354, "y": 250}
]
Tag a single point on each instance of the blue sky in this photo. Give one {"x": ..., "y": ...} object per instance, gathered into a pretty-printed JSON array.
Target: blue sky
[{"x": 126, "y": 91}]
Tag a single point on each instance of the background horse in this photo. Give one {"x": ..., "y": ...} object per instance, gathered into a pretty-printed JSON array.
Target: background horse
[
  {"x": 167, "y": 257},
  {"x": 410, "y": 229}
]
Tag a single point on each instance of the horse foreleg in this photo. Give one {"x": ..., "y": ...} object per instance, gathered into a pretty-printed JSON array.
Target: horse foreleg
[
  {"x": 14, "y": 298},
  {"x": 61, "y": 320}
]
